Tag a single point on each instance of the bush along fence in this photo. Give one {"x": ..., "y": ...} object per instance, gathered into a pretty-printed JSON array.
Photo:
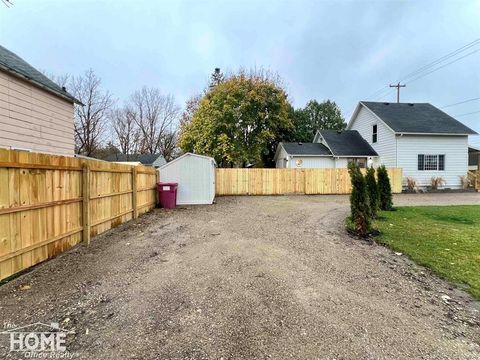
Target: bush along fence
[
  {"x": 51, "y": 203},
  {"x": 291, "y": 181}
]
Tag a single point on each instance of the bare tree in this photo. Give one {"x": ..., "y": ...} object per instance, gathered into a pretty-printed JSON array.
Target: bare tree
[
  {"x": 125, "y": 130},
  {"x": 168, "y": 145},
  {"x": 156, "y": 115},
  {"x": 90, "y": 119},
  {"x": 191, "y": 106}
]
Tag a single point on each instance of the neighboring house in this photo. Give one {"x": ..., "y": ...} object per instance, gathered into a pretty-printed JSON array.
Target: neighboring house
[
  {"x": 330, "y": 149},
  {"x": 419, "y": 138},
  {"x": 35, "y": 113},
  {"x": 473, "y": 158},
  {"x": 155, "y": 160}
]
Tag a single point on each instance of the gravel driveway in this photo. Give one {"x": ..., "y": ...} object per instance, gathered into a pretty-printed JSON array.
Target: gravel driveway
[{"x": 249, "y": 277}]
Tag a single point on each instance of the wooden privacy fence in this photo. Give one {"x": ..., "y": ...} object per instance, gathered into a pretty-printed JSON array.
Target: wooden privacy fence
[
  {"x": 290, "y": 181},
  {"x": 50, "y": 203}
]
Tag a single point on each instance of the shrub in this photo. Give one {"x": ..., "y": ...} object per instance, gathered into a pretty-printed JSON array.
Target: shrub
[
  {"x": 412, "y": 184},
  {"x": 372, "y": 190},
  {"x": 436, "y": 182},
  {"x": 359, "y": 201},
  {"x": 466, "y": 183},
  {"x": 384, "y": 188}
]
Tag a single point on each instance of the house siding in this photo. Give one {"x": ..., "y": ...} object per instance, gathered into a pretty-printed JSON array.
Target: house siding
[
  {"x": 281, "y": 163},
  {"x": 386, "y": 141},
  {"x": 33, "y": 118},
  {"x": 309, "y": 162},
  {"x": 455, "y": 149}
]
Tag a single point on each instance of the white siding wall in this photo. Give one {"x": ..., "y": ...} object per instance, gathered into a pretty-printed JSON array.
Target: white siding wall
[
  {"x": 312, "y": 162},
  {"x": 386, "y": 142},
  {"x": 195, "y": 177},
  {"x": 281, "y": 163},
  {"x": 33, "y": 118},
  {"x": 455, "y": 149}
]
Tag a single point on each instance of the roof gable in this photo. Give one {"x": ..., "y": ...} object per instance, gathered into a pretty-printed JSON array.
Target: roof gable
[
  {"x": 187, "y": 155},
  {"x": 14, "y": 64},
  {"x": 416, "y": 118},
  {"x": 347, "y": 143}
]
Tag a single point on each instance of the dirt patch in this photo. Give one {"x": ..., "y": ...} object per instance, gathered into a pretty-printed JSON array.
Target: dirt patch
[{"x": 247, "y": 277}]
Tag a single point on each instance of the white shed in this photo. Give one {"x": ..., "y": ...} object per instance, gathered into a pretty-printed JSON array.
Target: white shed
[{"x": 195, "y": 175}]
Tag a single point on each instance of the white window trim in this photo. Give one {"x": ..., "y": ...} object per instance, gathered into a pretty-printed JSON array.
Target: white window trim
[
  {"x": 438, "y": 162},
  {"x": 375, "y": 124}
]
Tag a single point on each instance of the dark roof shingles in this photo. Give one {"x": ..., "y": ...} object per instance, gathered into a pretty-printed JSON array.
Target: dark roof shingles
[
  {"x": 145, "y": 159},
  {"x": 417, "y": 118},
  {"x": 347, "y": 143},
  {"x": 15, "y": 64},
  {"x": 297, "y": 148}
]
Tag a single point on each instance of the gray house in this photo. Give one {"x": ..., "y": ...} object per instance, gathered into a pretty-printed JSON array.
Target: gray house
[
  {"x": 330, "y": 149},
  {"x": 155, "y": 160}
]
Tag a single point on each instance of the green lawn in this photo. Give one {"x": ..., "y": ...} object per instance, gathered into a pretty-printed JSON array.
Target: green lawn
[{"x": 445, "y": 239}]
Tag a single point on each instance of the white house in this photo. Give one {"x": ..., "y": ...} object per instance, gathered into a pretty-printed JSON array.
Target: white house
[
  {"x": 330, "y": 149},
  {"x": 419, "y": 138}
]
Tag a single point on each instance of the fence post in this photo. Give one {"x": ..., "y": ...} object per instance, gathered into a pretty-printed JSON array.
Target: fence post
[
  {"x": 86, "y": 203},
  {"x": 134, "y": 192}
]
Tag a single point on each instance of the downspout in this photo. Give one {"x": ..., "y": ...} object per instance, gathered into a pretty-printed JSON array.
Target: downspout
[{"x": 396, "y": 149}]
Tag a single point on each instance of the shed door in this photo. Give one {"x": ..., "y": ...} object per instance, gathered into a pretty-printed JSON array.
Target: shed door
[{"x": 196, "y": 181}]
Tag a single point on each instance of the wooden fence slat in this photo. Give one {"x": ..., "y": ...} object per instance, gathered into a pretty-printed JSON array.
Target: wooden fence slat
[
  {"x": 134, "y": 192},
  {"x": 287, "y": 181},
  {"x": 86, "y": 204},
  {"x": 49, "y": 203}
]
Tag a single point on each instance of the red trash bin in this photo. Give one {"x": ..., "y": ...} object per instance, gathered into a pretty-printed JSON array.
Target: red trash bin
[{"x": 167, "y": 194}]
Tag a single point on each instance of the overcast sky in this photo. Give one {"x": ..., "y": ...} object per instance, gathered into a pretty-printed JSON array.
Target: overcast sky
[{"x": 339, "y": 50}]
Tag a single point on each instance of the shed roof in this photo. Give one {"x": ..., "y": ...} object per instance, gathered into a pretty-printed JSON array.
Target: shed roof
[
  {"x": 347, "y": 143},
  {"x": 187, "y": 155},
  {"x": 298, "y": 148},
  {"x": 14, "y": 64},
  {"x": 417, "y": 118}
]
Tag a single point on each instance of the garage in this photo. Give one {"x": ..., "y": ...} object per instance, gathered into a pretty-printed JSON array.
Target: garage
[{"x": 195, "y": 175}]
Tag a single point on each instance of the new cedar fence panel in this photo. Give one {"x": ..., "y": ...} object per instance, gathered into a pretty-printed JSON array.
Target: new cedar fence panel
[
  {"x": 51, "y": 203},
  {"x": 291, "y": 181}
]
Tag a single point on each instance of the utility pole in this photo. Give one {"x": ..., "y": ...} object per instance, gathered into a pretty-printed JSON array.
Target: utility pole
[{"x": 398, "y": 86}]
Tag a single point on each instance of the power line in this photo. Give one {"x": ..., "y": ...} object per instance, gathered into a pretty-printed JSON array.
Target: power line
[
  {"x": 443, "y": 58},
  {"x": 432, "y": 64},
  {"x": 470, "y": 113},
  {"x": 451, "y": 62},
  {"x": 460, "y": 102}
]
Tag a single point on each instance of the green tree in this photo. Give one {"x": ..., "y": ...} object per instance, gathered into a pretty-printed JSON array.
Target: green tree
[
  {"x": 302, "y": 131},
  {"x": 317, "y": 116},
  {"x": 239, "y": 121},
  {"x": 384, "y": 188},
  {"x": 359, "y": 201},
  {"x": 372, "y": 190}
]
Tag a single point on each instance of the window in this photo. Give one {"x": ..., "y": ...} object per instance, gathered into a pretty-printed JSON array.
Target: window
[
  {"x": 374, "y": 134},
  {"x": 431, "y": 162},
  {"x": 361, "y": 162}
]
